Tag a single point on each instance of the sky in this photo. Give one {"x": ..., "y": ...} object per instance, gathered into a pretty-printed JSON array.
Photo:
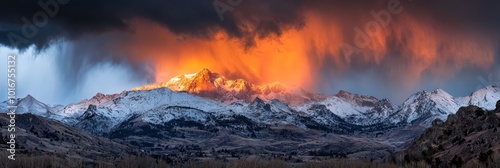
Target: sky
[{"x": 69, "y": 50}]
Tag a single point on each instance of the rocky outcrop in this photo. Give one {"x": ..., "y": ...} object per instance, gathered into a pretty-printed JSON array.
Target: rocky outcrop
[{"x": 469, "y": 137}]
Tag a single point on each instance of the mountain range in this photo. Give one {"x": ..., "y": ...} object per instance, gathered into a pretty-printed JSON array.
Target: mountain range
[
  {"x": 217, "y": 87},
  {"x": 210, "y": 111}
]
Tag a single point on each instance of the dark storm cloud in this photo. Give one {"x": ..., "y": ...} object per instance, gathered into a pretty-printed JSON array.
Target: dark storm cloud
[
  {"x": 452, "y": 19},
  {"x": 192, "y": 17},
  {"x": 249, "y": 19},
  {"x": 91, "y": 26}
]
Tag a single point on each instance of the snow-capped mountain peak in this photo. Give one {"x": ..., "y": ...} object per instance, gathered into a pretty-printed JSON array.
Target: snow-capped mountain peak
[
  {"x": 100, "y": 98},
  {"x": 29, "y": 98},
  {"x": 354, "y": 108},
  {"x": 362, "y": 100},
  {"x": 140, "y": 102},
  {"x": 438, "y": 96},
  {"x": 29, "y": 104},
  {"x": 257, "y": 101},
  {"x": 200, "y": 96},
  {"x": 485, "y": 97},
  {"x": 76, "y": 109},
  {"x": 217, "y": 87},
  {"x": 423, "y": 107}
]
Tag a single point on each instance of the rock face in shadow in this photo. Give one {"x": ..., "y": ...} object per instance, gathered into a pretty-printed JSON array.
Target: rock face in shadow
[{"x": 471, "y": 136}]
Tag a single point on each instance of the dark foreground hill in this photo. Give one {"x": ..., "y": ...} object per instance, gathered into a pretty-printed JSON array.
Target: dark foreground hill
[
  {"x": 471, "y": 137},
  {"x": 38, "y": 136}
]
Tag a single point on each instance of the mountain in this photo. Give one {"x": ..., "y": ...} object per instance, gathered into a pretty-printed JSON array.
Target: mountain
[
  {"x": 29, "y": 104},
  {"x": 354, "y": 108},
  {"x": 153, "y": 119},
  {"x": 423, "y": 107},
  {"x": 76, "y": 109},
  {"x": 217, "y": 87},
  {"x": 420, "y": 108},
  {"x": 103, "y": 117},
  {"x": 161, "y": 106},
  {"x": 346, "y": 111},
  {"x": 244, "y": 129},
  {"x": 484, "y": 97},
  {"x": 469, "y": 137}
]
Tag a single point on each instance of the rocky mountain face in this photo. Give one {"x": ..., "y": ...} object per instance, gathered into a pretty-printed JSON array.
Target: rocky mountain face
[
  {"x": 470, "y": 136},
  {"x": 217, "y": 87}
]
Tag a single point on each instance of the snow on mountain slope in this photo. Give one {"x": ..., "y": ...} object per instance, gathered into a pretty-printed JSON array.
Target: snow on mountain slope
[
  {"x": 485, "y": 97},
  {"x": 29, "y": 104},
  {"x": 420, "y": 108},
  {"x": 145, "y": 100},
  {"x": 423, "y": 107},
  {"x": 77, "y": 109},
  {"x": 271, "y": 112},
  {"x": 166, "y": 113},
  {"x": 354, "y": 108},
  {"x": 217, "y": 87},
  {"x": 342, "y": 111},
  {"x": 129, "y": 103}
]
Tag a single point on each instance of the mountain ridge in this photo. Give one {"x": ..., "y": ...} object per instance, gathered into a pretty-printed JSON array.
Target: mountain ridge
[
  {"x": 420, "y": 108},
  {"x": 217, "y": 87},
  {"x": 145, "y": 117}
]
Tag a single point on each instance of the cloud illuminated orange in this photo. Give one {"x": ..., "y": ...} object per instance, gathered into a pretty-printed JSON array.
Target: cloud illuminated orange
[{"x": 406, "y": 49}]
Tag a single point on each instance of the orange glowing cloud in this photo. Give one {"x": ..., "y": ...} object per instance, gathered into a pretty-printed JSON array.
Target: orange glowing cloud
[
  {"x": 406, "y": 49},
  {"x": 441, "y": 52},
  {"x": 280, "y": 59}
]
